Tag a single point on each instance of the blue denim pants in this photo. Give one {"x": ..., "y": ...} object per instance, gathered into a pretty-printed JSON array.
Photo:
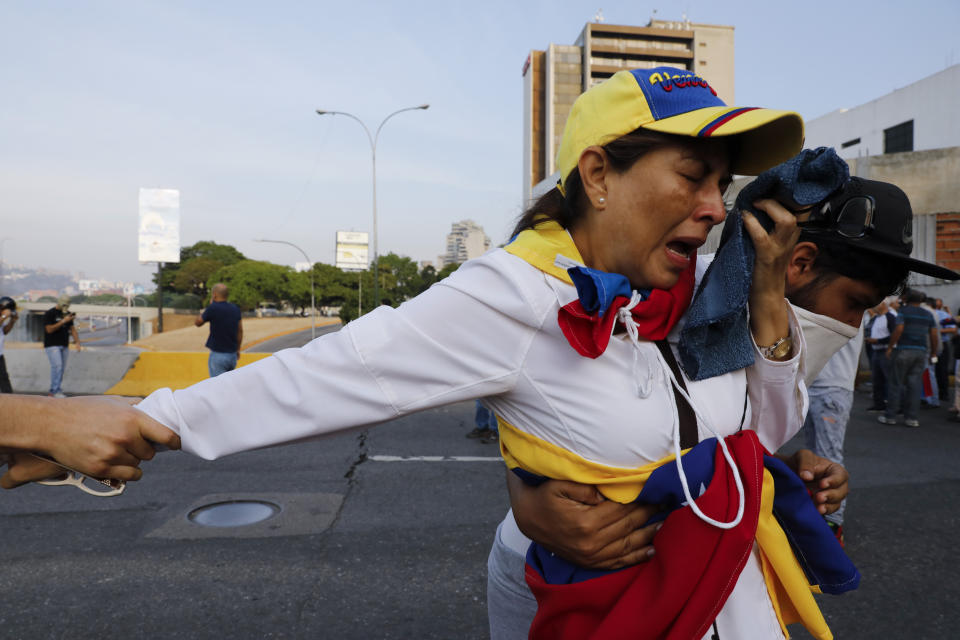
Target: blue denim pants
[
  {"x": 58, "y": 362},
  {"x": 220, "y": 362},
  {"x": 826, "y": 426}
]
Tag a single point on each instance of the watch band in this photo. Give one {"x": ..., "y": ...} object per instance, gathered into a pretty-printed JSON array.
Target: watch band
[{"x": 779, "y": 349}]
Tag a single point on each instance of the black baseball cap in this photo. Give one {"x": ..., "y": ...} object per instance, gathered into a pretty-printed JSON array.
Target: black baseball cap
[{"x": 872, "y": 216}]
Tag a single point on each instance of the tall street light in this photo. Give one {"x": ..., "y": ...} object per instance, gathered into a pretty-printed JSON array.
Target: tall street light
[
  {"x": 313, "y": 311},
  {"x": 373, "y": 151}
]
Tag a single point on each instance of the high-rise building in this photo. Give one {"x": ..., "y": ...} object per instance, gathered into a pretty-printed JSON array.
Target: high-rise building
[
  {"x": 553, "y": 78},
  {"x": 465, "y": 241}
]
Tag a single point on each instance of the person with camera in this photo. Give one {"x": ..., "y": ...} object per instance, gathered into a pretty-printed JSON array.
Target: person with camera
[
  {"x": 8, "y": 318},
  {"x": 58, "y": 326}
]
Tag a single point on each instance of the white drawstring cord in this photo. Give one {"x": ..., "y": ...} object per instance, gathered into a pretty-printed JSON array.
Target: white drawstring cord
[
  {"x": 625, "y": 316},
  {"x": 726, "y": 454}
]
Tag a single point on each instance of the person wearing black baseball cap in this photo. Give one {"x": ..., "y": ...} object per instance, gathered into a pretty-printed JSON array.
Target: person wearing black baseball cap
[
  {"x": 869, "y": 218},
  {"x": 854, "y": 250}
]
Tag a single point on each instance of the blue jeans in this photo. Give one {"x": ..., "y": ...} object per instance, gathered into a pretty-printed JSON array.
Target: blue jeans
[
  {"x": 220, "y": 362},
  {"x": 58, "y": 362},
  {"x": 485, "y": 418},
  {"x": 906, "y": 369},
  {"x": 510, "y": 604},
  {"x": 826, "y": 426}
]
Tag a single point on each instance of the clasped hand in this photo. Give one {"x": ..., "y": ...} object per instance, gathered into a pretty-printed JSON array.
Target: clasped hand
[{"x": 578, "y": 524}]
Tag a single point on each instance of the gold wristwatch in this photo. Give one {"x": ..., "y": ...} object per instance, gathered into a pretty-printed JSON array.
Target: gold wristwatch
[{"x": 779, "y": 350}]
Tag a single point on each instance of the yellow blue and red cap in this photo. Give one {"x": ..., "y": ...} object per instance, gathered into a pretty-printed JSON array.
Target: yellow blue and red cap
[{"x": 678, "y": 102}]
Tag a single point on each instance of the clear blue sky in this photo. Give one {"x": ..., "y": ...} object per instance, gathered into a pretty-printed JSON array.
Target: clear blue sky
[{"x": 217, "y": 99}]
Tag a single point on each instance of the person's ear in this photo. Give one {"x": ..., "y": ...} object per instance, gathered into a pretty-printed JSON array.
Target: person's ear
[
  {"x": 800, "y": 269},
  {"x": 594, "y": 167}
]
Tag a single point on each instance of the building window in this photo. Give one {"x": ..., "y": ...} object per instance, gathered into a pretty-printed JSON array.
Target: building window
[
  {"x": 703, "y": 63},
  {"x": 898, "y": 138},
  {"x": 850, "y": 143}
]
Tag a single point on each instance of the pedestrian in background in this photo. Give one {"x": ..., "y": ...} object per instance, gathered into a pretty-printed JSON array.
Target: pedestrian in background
[
  {"x": 8, "y": 318},
  {"x": 877, "y": 337},
  {"x": 929, "y": 389},
  {"x": 226, "y": 331},
  {"x": 948, "y": 329},
  {"x": 486, "y": 421},
  {"x": 912, "y": 343},
  {"x": 58, "y": 326}
]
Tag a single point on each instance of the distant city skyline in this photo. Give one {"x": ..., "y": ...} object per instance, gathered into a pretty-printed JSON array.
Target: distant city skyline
[{"x": 115, "y": 96}]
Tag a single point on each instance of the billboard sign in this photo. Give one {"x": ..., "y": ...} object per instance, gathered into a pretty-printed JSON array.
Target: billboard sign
[
  {"x": 159, "y": 225},
  {"x": 353, "y": 249}
]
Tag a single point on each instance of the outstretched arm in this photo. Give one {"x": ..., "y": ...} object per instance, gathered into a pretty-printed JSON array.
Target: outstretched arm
[{"x": 102, "y": 436}]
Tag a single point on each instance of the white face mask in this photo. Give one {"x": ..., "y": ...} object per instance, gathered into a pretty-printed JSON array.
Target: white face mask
[{"x": 824, "y": 336}]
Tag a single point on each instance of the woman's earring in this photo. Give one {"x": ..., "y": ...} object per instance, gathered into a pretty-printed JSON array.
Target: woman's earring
[{"x": 601, "y": 200}]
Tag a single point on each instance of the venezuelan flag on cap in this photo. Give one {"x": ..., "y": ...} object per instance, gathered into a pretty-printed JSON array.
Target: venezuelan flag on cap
[{"x": 678, "y": 102}]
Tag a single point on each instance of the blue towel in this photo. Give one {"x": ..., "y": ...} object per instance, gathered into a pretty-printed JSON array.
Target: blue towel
[{"x": 716, "y": 336}]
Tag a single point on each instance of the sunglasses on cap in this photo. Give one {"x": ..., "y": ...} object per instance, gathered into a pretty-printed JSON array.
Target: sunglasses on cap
[{"x": 853, "y": 219}]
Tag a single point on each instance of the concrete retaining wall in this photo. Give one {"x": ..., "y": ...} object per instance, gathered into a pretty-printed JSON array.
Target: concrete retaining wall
[
  {"x": 87, "y": 372},
  {"x": 119, "y": 372}
]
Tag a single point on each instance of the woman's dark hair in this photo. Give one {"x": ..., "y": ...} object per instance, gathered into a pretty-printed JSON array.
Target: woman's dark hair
[{"x": 568, "y": 210}]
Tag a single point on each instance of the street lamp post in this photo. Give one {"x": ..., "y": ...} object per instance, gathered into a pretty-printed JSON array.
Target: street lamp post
[
  {"x": 373, "y": 152},
  {"x": 313, "y": 311}
]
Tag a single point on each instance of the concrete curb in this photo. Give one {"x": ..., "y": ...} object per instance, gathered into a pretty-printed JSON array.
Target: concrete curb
[
  {"x": 174, "y": 369},
  {"x": 284, "y": 333}
]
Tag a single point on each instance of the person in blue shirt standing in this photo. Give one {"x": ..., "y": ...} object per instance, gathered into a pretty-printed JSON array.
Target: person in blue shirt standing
[
  {"x": 226, "y": 331},
  {"x": 913, "y": 342}
]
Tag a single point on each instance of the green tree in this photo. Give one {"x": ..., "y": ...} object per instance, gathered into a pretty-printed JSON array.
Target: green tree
[
  {"x": 297, "y": 291},
  {"x": 399, "y": 279},
  {"x": 105, "y": 299},
  {"x": 192, "y": 276},
  {"x": 251, "y": 282},
  {"x": 428, "y": 275},
  {"x": 225, "y": 254},
  {"x": 332, "y": 284},
  {"x": 357, "y": 281},
  {"x": 447, "y": 270}
]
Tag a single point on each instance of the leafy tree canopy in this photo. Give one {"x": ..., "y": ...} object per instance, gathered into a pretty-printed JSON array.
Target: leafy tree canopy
[{"x": 252, "y": 281}]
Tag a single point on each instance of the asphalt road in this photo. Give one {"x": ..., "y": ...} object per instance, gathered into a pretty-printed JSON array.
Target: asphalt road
[
  {"x": 371, "y": 548},
  {"x": 292, "y": 340}
]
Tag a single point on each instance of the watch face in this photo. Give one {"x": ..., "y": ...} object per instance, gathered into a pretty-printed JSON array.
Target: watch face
[{"x": 783, "y": 348}]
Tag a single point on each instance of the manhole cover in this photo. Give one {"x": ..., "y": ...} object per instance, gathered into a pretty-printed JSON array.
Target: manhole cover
[{"x": 235, "y": 513}]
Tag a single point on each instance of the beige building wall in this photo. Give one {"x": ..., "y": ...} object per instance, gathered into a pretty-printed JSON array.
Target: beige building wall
[
  {"x": 929, "y": 178},
  {"x": 564, "y": 79},
  {"x": 713, "y": 58}
]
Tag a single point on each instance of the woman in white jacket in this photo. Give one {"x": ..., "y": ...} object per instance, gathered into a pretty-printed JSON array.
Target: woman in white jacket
[{"x": 645, "y": 159}]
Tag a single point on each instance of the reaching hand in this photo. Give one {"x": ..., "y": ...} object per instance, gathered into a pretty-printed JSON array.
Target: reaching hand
[
  {"x": 826, "y": 480},
  {"x": 101, "y": 436},
  {"x": 24, "y": 468}
]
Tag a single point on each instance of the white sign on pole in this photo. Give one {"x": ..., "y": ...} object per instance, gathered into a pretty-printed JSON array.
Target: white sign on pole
[
  {"x": 159, "y": 225},
  {"x": 353, "y": 249}
]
